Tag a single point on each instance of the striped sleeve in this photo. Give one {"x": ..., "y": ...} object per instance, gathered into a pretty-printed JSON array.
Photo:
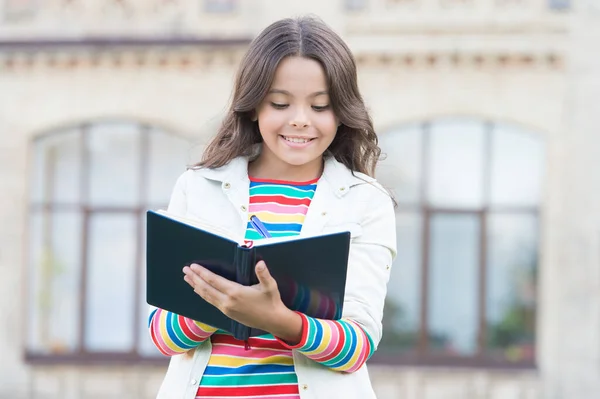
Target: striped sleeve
[
  {"x": 173, "y": 334},
  {"x": 341, "y": 345}
]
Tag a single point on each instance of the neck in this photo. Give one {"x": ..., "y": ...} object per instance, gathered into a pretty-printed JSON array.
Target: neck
[{"x": 264, "y": 168}]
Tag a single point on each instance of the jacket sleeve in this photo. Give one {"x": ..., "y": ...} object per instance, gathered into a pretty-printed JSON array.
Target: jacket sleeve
[
  {"x": 173, "y": 334},
  {"x": 370, "y": 263}
]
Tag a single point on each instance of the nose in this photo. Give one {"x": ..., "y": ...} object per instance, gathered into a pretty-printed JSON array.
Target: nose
[
  {"x": 300, "y": 120},
  {"x": 299, "y": 124}
]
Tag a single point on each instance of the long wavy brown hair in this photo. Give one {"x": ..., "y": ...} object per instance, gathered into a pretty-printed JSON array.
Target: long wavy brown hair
[{"x": 355, "y": 144}]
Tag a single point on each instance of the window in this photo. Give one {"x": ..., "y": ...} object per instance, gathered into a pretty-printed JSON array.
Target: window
[
  {"x": 463, "y": 287},
  {"x": 91, "y": 186},
  {"x": 220, "y": 6}
]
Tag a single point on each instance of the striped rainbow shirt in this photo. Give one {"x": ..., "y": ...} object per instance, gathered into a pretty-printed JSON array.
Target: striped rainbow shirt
[
  {"x": 267, "y": 369},
  {"x": 281, "y": 206}
]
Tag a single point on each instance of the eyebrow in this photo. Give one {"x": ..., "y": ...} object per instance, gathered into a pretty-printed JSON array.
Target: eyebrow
[{"x": 315, "y": 94}]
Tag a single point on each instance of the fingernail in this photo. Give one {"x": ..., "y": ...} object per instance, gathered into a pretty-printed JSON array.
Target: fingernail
[{"x": 261, "y": 266}]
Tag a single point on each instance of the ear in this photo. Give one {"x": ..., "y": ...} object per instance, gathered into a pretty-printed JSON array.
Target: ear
[{"x": 254, "y": 116}]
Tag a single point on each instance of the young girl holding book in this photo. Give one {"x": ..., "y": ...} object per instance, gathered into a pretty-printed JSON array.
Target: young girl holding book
[{"x": 297, "y": 150}]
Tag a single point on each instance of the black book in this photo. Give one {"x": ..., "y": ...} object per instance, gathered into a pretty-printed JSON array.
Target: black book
[{"x": 310, "y": 271}]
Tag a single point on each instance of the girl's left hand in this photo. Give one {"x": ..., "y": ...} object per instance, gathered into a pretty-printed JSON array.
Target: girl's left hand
[{"x": 258, "y": 306}]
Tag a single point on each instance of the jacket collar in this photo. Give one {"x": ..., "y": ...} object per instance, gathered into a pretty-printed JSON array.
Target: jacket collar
[{"x": 338, "y": 176}]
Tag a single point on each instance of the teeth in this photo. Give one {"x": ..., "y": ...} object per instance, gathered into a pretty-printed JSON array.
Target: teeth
[{"x": 296, "y": 140}]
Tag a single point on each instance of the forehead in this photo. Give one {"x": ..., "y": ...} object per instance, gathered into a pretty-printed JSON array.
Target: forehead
[{"x": 299, "y": 73}]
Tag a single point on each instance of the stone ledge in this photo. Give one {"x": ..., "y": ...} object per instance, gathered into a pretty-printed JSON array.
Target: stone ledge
[{"x": 182, "y": 59}]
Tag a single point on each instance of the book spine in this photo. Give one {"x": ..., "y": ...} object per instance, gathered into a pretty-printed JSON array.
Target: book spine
[{"x": 244, "y": 268}]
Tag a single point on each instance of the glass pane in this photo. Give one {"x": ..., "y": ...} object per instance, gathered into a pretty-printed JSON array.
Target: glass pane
[
  {"x": 110, "y": 282},
  {"x": 38, "y": 181},
  {"x": 453, "y": 288},
  {"x": 512, "y": 286},
  {"x": 400, "y": 171},
  {"x": 456, "y": 162},
  {"x": 516, "y": 170},
  {"x": 169, "y": 156},
  {"x": 114, "y": 156},
  {"x": 57, "y": 168},
  {"x": 35, "y": 302},
  {"x": 402, "y": 308},
  {"x": 54, "y": 264}
]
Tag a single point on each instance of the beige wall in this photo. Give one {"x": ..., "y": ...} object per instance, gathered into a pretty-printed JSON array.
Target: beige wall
[
  {"x": 571, "y": 349},
  {"x": 389, "y": 383}
]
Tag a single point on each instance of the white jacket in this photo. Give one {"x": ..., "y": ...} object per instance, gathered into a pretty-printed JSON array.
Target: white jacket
[{"x": 342, "y": 202}]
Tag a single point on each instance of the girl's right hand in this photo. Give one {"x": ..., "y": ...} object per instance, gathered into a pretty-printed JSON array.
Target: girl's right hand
[{"x": 257, "y": 306}]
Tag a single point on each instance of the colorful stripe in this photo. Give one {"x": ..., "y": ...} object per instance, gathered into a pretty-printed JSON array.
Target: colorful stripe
[
  {"x": 265, "y": 371},
  {"x": 277, "y": 209},
  {"x": 341, "y": 345},
  {"x": 266, "y": 189},
  {"x": 281, "y": 206},
  {"x": 275, "y": 218},
  {"x": 173, "y": 334}
]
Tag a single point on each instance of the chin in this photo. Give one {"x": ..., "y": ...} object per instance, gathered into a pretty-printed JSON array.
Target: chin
[{"x": 296, "y": 161}]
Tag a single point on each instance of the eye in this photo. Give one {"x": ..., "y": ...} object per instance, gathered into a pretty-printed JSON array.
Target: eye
[
  {"x": 279, "y": 106},
  {"x": 320, "y": 108}
]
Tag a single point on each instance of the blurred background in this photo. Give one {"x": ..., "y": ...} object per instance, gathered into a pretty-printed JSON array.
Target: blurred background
[{"x": 488, "y": 113}]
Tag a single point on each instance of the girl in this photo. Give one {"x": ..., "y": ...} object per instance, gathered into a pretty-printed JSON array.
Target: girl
[{"x": 297, "y": 149}]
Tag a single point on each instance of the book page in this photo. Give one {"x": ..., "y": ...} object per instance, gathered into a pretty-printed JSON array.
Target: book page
[
  {"x": 202, "y": 224},
  {"x": 276, "y": 240}
]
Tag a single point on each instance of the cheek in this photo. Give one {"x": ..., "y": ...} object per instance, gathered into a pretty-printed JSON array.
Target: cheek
[
  {"x": 328, "y": 124},
  {"x": 270, "y": 122}
]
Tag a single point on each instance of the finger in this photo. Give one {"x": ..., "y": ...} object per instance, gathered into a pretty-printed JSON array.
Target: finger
[
  {"x": 202, "y": 288},
  {"x": 189, "y": 275},
  {"x": 189, "y": 280},
  {"x": 193, "y": 273},
  {"x": 264, "y": 277},
  {"x": 214, "y": 280}
]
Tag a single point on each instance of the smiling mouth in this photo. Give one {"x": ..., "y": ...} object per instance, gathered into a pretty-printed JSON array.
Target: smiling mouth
[{"x": 298, "y": 140}]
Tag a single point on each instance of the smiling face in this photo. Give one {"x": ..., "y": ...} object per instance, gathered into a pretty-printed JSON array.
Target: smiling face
[{"x": 296, "y": 122}]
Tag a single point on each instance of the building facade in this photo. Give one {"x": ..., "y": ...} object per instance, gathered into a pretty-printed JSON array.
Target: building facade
[{"x": 486, "y": 113}]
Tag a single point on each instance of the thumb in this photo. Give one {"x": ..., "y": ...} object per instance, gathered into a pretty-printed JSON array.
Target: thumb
[{"x": 264, "y": 277}]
